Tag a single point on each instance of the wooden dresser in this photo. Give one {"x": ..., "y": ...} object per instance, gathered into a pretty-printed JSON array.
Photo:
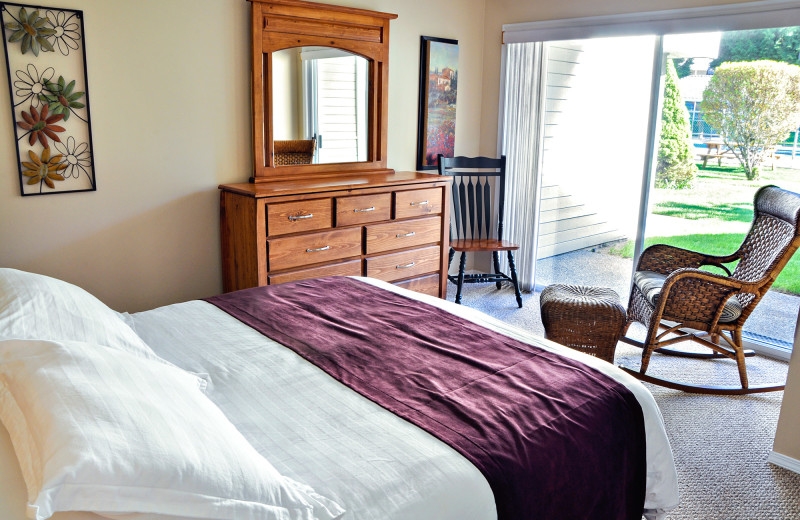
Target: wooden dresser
[
  {"x": 328, "y": 218},
  {"x": 389, "y": 226}
]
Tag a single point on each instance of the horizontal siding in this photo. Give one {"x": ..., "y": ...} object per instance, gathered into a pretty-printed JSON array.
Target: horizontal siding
[
  {"x": 576, "y": 233},
  {"x": 569, "y": 223},
  {"x": 566, "y": 223},
  {"x": 574, "y": 245}
]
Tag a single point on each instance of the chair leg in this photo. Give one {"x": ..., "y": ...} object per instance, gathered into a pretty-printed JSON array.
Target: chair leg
[
  {"x": 496, "y": 259},
  {"x": 649, "y": 345},
  {"x": 450, "y": 258},
  {"x": 626, "y": 327},
  {"x": 461, "y": 265},
  {"x": 513, "y": 270},
  {"x": 737, "y": 339}
]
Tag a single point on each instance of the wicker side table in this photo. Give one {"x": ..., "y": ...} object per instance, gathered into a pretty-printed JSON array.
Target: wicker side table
[{"x": 589, "y": 319}]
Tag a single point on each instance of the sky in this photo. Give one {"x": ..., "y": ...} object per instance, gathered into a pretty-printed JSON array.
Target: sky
[{"x": 443, "y": 55}]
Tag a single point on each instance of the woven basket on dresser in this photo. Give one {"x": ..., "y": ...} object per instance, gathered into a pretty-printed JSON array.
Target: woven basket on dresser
[{"x": 588, "y": 319}]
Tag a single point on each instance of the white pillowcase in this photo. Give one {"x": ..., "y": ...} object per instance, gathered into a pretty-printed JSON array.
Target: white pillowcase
[
  {"x": 34, "y": 306},
  {"x": 101, "y": 430}
]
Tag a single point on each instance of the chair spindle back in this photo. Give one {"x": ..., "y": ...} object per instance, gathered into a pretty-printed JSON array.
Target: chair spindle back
[
  {"x": 478, "y": 193},
  {"x": 772, "y": 239}
]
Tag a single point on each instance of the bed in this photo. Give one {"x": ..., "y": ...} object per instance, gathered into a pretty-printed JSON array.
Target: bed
[{"x": 332, "y": 447}]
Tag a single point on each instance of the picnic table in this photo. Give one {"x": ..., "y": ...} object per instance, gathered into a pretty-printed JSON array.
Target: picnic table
[{"x": 717, "y": 150}]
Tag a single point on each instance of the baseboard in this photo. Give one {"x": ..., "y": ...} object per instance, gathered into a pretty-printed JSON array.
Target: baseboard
[{"x": 784, "y": 461}]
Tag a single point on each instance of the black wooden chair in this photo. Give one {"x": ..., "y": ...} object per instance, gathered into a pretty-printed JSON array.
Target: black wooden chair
[{"x": 477, "y": 199}]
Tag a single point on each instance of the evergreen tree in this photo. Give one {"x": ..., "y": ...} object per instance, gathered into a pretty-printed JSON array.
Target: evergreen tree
[
  {"x": 675, "y": 167},
  {"x": 683, "y": 66},
  {"x": 782, "y": 44}
]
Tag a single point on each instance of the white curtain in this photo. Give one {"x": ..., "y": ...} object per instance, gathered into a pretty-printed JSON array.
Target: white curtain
[{"x": 521, "y": 143}]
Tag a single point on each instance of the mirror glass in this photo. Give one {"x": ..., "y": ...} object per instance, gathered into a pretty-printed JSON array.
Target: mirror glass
[{"x": 319, "y": 106}]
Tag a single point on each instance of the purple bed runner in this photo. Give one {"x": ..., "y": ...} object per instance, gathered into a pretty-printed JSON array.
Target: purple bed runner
[{"x": 554, "y": 438}]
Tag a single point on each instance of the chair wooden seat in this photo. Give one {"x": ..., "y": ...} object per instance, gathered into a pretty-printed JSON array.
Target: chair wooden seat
[
  {"x": 477, "y": 201},
  {"x": 483, "y": 245},
  {"x": 716, "y": 305}
]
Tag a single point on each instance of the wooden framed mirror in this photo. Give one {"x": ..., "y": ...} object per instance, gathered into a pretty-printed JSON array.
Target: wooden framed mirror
[{"x": 292, "y": 37}]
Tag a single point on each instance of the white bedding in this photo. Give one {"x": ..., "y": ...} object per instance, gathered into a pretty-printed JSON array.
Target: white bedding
[{"x": 315, "y": 430}]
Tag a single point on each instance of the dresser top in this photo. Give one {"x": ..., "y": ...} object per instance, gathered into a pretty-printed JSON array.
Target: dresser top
[{"x": 331, "y": 183}]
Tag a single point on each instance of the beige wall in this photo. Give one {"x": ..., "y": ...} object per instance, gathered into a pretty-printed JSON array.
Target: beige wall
[
  {"x": 287, "y": 95},
  {"x": 169, "y": 91},
  {"x": 787, "y": 436},
  {"x": 168, "y": 87}
]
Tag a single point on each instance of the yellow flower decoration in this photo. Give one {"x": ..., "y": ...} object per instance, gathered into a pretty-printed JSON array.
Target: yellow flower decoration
[{"x": 44, "y": 168}]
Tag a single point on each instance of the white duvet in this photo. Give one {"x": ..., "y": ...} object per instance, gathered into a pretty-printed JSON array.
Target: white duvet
[{"x": 317, "y": 431}]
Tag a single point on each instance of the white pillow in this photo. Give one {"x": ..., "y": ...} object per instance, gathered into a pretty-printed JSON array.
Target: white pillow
[
  {"x": 34, "y": 306},
  {"x": 100, "y": 430}
]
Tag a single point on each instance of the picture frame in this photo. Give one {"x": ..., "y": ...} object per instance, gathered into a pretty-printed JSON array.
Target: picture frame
[
  {"x": 45, "y": 49},
  {"x": 438, "y": 93}
]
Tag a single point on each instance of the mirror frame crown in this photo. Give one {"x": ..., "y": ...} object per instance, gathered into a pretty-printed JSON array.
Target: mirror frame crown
[{"x": 282, "y": 24}]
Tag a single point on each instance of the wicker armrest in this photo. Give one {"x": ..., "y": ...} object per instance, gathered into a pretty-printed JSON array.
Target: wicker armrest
[
  {"x": 693, "y": 295},
  {"x": 664, "y": 259}
]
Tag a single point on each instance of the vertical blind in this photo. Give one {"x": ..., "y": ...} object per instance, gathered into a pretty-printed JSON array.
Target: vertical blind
[{"x": 521, "y": 145}]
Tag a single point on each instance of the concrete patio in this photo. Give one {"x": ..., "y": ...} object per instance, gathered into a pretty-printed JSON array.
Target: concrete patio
[{"x": 774, "y": 317}]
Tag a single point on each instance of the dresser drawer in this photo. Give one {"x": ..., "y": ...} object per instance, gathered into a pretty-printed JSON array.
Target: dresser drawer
[
  {"x": 402, "y": 234},
  {"x": 351, "y": 268},
  {"x": 404, "y": 265},
  {"x": 295, "y": 217},
  {"x": 285, "y": 253},
  {"x": 428, "y": 284},
  {"x": 363, "y": 208},
  {"x": 417, "y": 203}
]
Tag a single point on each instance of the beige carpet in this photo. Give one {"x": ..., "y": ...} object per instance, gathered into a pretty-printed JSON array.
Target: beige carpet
[{"x": 720, "y": 444}]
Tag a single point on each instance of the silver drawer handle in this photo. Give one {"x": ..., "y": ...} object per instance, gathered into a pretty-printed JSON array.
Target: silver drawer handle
[
  {"x": 406, "y": 265},
  {"x": 298, "y": 217},
  {"x": 363, "y": 210},
  {"x": 319, "y": 249},
  {"x": 423, "y": 203},
  {"x": 407, "y": 235}
]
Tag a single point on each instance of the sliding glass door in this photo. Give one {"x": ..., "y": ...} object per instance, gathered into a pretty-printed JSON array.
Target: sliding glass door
[{"x": 626, "y": 159}]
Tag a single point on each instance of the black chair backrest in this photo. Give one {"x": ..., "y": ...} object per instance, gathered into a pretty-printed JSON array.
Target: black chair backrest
[{"x": 475, "y": 179}]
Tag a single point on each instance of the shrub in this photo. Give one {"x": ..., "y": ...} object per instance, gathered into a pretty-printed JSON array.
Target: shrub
[
  {"x": 675, "y": 167},
  {"x": 754, "y": 105}
]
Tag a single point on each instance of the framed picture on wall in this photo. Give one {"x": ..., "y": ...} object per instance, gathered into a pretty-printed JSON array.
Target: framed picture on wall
[
  {"x": 438, "y": 89},
  {"x": 46, "y": 65}
]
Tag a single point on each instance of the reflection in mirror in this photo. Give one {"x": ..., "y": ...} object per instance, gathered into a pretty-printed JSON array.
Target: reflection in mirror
[{"x": 319, "y": 106}]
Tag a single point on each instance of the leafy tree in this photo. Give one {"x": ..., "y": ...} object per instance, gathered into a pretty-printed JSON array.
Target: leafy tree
[
  {"x": 782, "y": 44},
  {"x": 754, "y": 105},
  {"x": 683, "y": 66},
  {"x": 675, "y": 167}
]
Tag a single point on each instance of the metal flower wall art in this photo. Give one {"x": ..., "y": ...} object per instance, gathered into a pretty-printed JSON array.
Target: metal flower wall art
[{"x": 46, "y": 64}]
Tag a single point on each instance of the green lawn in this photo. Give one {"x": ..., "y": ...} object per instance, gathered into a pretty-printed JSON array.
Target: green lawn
[{"x": 721, "y": 194}]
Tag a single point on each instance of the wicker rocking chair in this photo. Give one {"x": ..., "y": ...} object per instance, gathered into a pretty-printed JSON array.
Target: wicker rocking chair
[
  {"x": 669, "y": 286},
  {"x": 298, "y": 151}
]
